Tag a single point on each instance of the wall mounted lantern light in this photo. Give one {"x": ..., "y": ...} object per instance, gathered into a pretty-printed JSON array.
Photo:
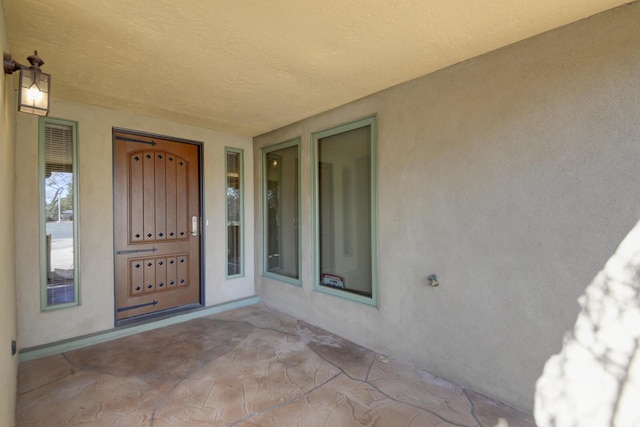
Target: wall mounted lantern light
[{"x": 34, "y": 84}]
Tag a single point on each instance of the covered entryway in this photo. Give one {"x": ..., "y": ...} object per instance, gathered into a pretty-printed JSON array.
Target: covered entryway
[
  {"x": 157, "y": 224},
  {"x": 252, "y": 366}
]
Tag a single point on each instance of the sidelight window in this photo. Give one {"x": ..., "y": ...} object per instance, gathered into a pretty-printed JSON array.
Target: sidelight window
[
  {"x": 345, "y": 211},
  {"x": 58, "y": 213},
  {"x": 281, "y": 183},
  {"x": 235, "y": 232}
]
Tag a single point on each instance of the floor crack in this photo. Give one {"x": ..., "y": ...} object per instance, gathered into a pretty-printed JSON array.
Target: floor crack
[
  {"x": 288, "y": 402},
  {"x": 184, "y": 378},
  {"x": 44, "y": 385},
  {"x": 473, "y": 407},
  {"x": 383, "y": 393},
  {"x": 417, "y": 406},
  {"x": 373, "y": 360}
]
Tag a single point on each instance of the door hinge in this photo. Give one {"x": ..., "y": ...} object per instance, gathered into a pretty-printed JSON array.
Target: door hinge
[
  {"x": 135, "y": 251},
  {"x": 131, "y": 307},
  {"x": 140, "y": 141}
]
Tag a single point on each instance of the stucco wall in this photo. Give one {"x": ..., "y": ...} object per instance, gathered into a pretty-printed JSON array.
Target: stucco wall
[
  {"x": 96, "y": 312},
  {"x": 512, "y": 176},
  {"x": 8, "y": 363}
]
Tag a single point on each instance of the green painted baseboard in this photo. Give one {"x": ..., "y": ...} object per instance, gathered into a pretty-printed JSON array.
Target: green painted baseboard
[{"x": 111, "y": 334}]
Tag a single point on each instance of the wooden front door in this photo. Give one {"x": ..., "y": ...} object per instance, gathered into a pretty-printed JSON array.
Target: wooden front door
[{"x": 157, "y": 224}]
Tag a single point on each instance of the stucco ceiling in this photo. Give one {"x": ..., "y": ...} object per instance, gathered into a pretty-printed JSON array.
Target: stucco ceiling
[{"x": 250, "y": 66}]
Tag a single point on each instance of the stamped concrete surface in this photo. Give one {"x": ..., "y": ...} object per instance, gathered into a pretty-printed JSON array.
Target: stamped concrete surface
[{"x": 247, "y": 367}]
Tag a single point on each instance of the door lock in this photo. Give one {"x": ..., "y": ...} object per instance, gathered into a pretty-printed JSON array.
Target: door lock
[{"x": 194, "y": 225}]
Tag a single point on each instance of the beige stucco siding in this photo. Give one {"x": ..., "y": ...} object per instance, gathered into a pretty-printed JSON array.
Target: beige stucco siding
[
  {"x": 8, "y": 362},
  {"x": 513, "y": 177},
  {"x": 96, "y": 312}
]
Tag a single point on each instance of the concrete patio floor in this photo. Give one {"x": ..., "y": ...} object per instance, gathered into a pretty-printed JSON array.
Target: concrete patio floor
[{"x": 247, "y": 367}]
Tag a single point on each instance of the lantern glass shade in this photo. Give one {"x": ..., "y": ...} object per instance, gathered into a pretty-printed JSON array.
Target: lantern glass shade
[{"x": 34, "y": 92}]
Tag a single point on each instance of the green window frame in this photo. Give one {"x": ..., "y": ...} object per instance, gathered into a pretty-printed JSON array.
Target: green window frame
[
  {"x": 234, "y": 175},
  {"x": 280, "y": 171},
  {"x": 59, "y": 213},
  {"x": 345, "y": 211}
]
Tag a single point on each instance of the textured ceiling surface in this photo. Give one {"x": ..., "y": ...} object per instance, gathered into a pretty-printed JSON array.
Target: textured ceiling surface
[{"x": 250, "y": 66}]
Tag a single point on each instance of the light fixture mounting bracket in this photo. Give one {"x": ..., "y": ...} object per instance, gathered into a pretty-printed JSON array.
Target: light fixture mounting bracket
[{"x": 10, "y": 65}]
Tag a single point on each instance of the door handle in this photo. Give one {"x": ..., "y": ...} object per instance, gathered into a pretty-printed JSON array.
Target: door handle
[{"x": 194, "y": 225}]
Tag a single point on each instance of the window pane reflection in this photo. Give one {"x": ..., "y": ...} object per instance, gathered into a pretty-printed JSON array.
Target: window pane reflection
[
  {"x": 281, "y": 212},
  {"x": 59, "y": 213},
  {"x": 345, "y": 211},
  {"x": 234, "y": 213}
]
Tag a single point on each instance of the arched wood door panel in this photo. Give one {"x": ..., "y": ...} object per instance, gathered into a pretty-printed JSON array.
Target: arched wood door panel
[{"x": 157, "y": 214}]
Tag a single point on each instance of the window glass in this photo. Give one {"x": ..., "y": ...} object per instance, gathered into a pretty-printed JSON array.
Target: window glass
[
  {"x": 59, "y": 203},
  {"x": 281, "y": 206},
  {"x": 344, "y": 191},
  {"x": 234, "y": 212}
]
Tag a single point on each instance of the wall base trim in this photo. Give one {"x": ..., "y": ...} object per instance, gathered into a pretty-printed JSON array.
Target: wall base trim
[{"x": 124, "y": 331}]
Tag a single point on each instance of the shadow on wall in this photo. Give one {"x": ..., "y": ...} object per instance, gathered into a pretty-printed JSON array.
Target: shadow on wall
[{"x": 595, "y": 380}]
